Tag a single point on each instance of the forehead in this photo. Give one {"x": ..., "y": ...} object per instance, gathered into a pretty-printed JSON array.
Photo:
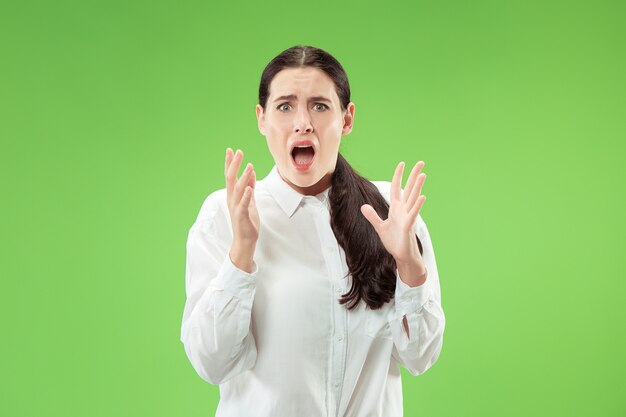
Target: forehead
[{"x": 302, "y": 82}]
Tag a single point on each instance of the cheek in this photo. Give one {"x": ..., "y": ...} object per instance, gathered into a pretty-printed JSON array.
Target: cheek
[
  {"x": 330, "y": 150},
  {"x": 277, "y": 145},
  {"x": 331, "y": 129},
  {"x": 278, "y": 134}
]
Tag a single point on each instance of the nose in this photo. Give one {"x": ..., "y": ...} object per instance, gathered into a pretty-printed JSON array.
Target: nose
[{"x": 302, "y": 121}]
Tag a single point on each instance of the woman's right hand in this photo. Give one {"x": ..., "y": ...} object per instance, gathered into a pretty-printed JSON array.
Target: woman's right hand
[{"x": 242, "y": 207}]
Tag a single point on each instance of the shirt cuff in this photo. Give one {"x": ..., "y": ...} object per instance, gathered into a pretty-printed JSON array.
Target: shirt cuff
[
  {"x": 411, "y": 299},
  {"x": 235, "y": 281}
]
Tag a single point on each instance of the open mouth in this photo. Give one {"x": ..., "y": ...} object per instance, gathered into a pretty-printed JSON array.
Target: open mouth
[{"x": 303, "y": 155}]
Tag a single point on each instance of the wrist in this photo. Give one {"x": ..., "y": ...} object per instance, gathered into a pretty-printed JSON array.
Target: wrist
[
  {"x": 242, "y": 256},
  {"x": 412, "y": 273}
]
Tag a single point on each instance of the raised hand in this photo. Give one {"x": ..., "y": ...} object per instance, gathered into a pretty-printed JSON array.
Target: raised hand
[
  {"x": 396, "y": 232},
  {"x": 242, "y": 207}
]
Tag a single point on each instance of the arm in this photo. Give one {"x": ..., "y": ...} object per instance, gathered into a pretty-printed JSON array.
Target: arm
[
  {"x": 418, "y": 322},
  {"x": 216, "y": 321},
  {"x": 417, "y": 346}
]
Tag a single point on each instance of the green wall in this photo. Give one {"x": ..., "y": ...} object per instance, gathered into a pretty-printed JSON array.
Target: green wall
[{"x": 114, "y": 118}]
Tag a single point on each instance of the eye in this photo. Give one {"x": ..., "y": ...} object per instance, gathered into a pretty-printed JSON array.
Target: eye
[
  {"x": 280, "y": 106},
  {"x": 325, "y": 107}
]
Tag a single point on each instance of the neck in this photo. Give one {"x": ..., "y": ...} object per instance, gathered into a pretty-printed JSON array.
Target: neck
[{"x": 314, "y": 189}]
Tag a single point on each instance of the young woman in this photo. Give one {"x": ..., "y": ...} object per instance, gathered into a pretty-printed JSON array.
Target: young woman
[{"x": 307, "y": 289}]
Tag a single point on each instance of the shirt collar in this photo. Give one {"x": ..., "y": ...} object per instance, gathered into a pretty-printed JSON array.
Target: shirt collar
[{"x": 287, "y": 198}]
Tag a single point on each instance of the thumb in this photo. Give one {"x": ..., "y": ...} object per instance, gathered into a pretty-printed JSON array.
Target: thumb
[{"x": 371, "y": 215}]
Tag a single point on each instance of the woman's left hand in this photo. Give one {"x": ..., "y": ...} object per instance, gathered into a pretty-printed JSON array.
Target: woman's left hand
[{"x": 396, "y": 232}]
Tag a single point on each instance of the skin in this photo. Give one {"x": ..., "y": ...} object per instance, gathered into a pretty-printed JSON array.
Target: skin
[
  {"x": 243, "y": 212},
  {"x": 285, "y": 121},
  {"x": 325, "y": 123},
  {"x": 396, "y": 232}
]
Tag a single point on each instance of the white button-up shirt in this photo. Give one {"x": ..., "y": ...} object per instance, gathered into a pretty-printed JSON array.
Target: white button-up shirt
[{"x": 276, "y": 340}]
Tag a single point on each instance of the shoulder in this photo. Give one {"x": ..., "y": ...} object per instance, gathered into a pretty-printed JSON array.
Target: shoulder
[
  {"x": 384, "y": 187},
  {"x": 212, "y": 204},
  {"x": 213, "y": 209}
]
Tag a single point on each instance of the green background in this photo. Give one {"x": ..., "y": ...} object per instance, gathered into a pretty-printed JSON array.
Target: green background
[{"x": 114, "y": 120}]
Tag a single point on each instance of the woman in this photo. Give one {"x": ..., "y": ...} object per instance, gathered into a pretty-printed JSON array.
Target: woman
[{"x": 307, "y": 289}]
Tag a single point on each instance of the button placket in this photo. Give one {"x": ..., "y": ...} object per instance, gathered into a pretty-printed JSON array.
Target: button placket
[{"x": 338, "y": 339}]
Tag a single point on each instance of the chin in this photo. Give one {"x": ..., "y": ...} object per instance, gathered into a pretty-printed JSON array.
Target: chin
[
  {"x": 305, "y": 179},
  {"x": 302, "y": 178}
]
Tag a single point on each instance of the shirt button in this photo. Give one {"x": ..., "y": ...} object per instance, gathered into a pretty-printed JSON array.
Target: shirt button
[
  {"x": 338, "y": 290},
  {"x": 336, "y": 384},
  {"x": 340, "y": 338}
]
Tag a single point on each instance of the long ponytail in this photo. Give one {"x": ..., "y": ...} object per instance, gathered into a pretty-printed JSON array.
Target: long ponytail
[{"x": 372, "y": 267}]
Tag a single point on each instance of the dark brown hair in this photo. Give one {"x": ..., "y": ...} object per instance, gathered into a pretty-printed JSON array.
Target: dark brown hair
[{"x": 373, "y": 269}]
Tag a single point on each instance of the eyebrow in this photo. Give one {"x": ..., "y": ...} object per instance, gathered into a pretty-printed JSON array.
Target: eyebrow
[{"x": 294, "y": 97}]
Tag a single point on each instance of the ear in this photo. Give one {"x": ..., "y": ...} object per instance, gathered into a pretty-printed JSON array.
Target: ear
[
  {"x": 348, "y": 119},
  {"x": 260, "y": 115}
]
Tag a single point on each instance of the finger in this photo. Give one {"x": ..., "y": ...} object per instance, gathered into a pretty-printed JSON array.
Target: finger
[
  {"x": 371, "y": 215},
  {"x": 252, "y": 184},
  {"x": 227, "y": 161},
  {"x": 245, "y": 201},
  {"x": 241, "y": 184},
  {"x": 411, "y": 181},
  {"x": 416, "y": 191},
  {"x": 252, "y": 179},
  {"x": 229, "y": 158},
  {"x": 396, "y": 182},
  {"x": 231, "y": 174},
  {"x": 416, "y": 209},
  {"x": 253, "y": 202}
]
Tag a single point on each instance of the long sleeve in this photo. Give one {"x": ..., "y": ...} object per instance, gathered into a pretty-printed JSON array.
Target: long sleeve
[
  {"x": 216, "y": 320},
  {"x": 421, "y": 305}
]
